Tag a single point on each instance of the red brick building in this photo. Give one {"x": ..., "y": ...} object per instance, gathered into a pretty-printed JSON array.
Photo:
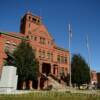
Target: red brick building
[
  {"x": 93, "y": 77},
  {"x": 98, "y": 80},
  {"x": 52, "y": 59}
]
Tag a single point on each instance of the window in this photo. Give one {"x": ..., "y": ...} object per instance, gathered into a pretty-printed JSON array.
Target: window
[
  {"x": 35, "y": 38},
  {"x": 32, "y": 37},
  {"x": 29, "y": 32},
  {"x": 43, "y": 54},
  {"x": 33, "y": 19},
  {"x": 52, "y": 56},
  {"x": 42, "y": 40},
  {"x": 58, "y": 58},
  {"x": 38, "y": 20},
  {"x": 49, "y": 43},
  {"x": 7, "y": 42},
  {"x": 27, "y": 37},
  {"x": 14, "y": 44},
  {"x": 29, "y": 17},
  {"x": 62, "y": 71},
  {"x": 7, "y": 47},
  {"x": 48, "y": 55},
  {"x": 65, "y": 59},
  {"x": 62, "y": 59},
  {"x": 29, "y": 25},
  {"x": 54, "y": 69},
  {"x": 39, "y": 53}
]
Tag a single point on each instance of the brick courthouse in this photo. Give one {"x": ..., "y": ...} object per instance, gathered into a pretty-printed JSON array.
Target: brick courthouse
[{"x": 52, "y": 59}]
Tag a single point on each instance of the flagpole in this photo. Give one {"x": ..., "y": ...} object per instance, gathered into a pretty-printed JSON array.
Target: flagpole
[
  {"x": 88, "y": 49},
  {"x": 69, "y": 31}
]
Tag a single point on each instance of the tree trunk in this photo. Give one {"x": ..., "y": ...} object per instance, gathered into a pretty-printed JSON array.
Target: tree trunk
[
  {"x": 23, "y": 86},
  {"x": 39, "y": 83},
  {"x": 30, "y": 83},
  {"x": 79, "y": 86}
]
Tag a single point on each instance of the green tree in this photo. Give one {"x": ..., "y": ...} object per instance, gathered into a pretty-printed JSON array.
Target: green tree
[
  {"x": 80, "y": 70},
  {"x": 27, "y": 66}
]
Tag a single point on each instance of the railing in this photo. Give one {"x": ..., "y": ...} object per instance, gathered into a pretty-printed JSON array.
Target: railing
[
  {"x": 43, "y": 75},
  {"x": 54, "y": 77}
]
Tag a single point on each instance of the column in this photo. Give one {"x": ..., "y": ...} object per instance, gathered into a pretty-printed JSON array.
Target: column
[
  {"x": 58, "y": 72},
  {"x": 52, "y": 68},
  {"x": 40, "y": 71}
]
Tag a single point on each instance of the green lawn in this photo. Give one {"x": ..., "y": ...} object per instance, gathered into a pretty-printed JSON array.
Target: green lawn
[{"x": 50, "y": 96}]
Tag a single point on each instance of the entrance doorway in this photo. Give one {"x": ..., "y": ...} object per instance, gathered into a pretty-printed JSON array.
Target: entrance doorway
[{"x": 46, "y": 68}]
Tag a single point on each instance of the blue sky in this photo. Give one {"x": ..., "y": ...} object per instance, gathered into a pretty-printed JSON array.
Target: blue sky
[{"x": 83, "y": 15}]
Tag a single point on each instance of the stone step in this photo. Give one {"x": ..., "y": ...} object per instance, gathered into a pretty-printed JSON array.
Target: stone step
[{"x": 56, "y": 84}]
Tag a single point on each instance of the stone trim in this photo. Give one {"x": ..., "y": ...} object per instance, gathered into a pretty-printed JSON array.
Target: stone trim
[{"x": 4, "y": 33}]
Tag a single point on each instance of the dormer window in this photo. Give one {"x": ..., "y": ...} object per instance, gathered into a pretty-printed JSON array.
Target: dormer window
[
  {"x": 14, "y": 44},
  {"x": 7, "y": 42}
]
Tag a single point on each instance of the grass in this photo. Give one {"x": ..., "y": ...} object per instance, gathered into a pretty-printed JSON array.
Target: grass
[{"x": 50, "y": 96}]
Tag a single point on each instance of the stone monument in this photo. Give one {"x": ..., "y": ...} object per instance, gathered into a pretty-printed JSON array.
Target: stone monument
[{"x": 8, "y": 81}]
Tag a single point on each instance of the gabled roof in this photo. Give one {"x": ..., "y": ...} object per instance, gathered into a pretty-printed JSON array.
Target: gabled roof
[{"x": 41, "y": 28}]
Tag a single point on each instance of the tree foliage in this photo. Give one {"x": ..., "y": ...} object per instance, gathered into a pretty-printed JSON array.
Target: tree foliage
[
  {"x": 27, "y": 66},
  {"x": 80, "y": 70}
]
